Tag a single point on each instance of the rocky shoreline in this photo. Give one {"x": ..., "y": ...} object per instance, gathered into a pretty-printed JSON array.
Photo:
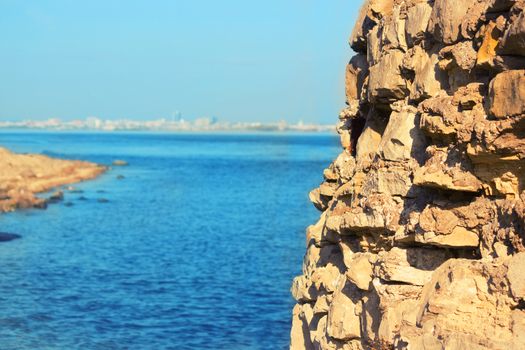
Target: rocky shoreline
[{"x": 22, "y": 176}]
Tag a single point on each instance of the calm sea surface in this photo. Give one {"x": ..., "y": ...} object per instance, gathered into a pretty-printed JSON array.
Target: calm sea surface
[{"x": 195, "y": 248}]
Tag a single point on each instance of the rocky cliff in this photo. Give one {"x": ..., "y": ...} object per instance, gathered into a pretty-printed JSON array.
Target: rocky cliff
[{"x": 421, "y": 240}]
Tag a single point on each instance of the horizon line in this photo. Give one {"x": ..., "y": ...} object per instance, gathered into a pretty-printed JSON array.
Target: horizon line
[{"x": 204, "y": 124}]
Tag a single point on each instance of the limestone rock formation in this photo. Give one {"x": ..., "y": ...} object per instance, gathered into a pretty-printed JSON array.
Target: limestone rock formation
[
  {"x": 23, "y": 175},
  {"x": 421, "y": 240}
]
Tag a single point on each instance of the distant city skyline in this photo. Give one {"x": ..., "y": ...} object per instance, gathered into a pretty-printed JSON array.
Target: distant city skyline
[
  {"x": 140, "y": 60},
  {"x": 163, "y": 125}
]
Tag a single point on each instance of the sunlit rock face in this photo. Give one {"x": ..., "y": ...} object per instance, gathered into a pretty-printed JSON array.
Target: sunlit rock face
[
  {"x": 22, "y": 176},
  {"x": 420, "y": 244}
]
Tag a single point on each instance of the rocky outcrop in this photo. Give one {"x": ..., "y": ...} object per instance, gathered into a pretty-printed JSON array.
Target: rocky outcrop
[
  {"x": 421, "y": 240},
  {"x": 22, "y": 176}
]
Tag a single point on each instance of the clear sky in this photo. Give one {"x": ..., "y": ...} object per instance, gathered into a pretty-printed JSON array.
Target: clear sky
[{"x": 237, "y": 60}]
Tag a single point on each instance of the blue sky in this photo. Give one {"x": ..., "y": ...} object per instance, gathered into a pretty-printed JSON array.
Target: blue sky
[{"x": 236, "y": 60}]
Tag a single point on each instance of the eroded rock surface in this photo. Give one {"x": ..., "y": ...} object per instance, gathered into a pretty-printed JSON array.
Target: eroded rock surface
[
  {"x": 24, "y": 175},
  {"x": 420, "y": 244}
]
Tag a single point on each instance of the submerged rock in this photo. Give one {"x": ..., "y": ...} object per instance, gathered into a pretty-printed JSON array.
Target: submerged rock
[
  {"x": 56, "y": 197},
  {"x": 6, "y": 237},
  {"x": 119, "y": 162}
]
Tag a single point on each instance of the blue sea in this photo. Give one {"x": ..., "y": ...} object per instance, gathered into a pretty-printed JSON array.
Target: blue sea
[{"x": 194, "y": 249}]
